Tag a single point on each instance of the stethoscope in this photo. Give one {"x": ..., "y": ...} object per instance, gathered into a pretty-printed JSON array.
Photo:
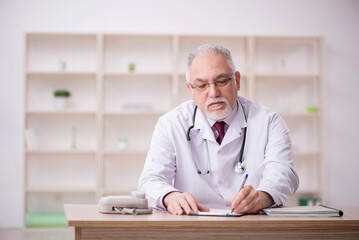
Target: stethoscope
[{"x": 238, "y": 167}]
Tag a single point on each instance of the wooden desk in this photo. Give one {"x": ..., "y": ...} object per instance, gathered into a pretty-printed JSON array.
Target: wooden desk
[{"x": 90, "y": 224}]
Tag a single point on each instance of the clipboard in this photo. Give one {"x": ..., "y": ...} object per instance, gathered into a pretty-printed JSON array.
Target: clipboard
[{"x": 213, "y": 212}]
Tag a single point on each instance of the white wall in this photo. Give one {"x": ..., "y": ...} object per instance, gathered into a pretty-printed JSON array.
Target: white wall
[{"x": 336, "y": 20}]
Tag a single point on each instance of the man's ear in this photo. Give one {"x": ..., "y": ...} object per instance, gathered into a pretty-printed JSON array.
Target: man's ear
[
  {"x": 189, "y": 89},
  {"x": 238, "y": 80}
]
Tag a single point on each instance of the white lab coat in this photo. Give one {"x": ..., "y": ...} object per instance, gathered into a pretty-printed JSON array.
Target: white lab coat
[{"x": 267, "y": 154}]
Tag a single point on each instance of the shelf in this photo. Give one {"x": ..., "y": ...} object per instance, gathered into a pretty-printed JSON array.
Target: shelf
[
  {"x": 137, "y": 74},
  {"x": 291, "y": 98},
  {"x": 44, "y": 35},
  {"x": 133, "y": 113},
  {"x": 59, "y": 190},
  {"x": 305, "y": 154},
  {"x": 138, "y": 93},
  {"x": 61, "y": 152},
  {"x": 307, "y": 192},
  {"x": 300, "y": 115},
  {"x": 137, "y": 129},
  {"x": 122, "y": 171},
  {"x": 40, "y": 90},
  {"x": 59, "y": 73},
  {"x": 61, "y": 52},
  {"x": 243, "y": 76},
  {"x": 289, "y": 38},
  {"x": 288, "y": 76},
  {"x": 121, "y": 50},
  {"x": 124, "y": 153},
  {"x": 59, "y": 112},
  {"x": 289, "y": 55}
]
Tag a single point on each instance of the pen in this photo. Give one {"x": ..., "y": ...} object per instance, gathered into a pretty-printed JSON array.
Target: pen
[{"x": 244, "y": 182}]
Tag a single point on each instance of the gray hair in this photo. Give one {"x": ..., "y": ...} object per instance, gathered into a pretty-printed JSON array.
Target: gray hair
[{"x": 209, "y": 49}]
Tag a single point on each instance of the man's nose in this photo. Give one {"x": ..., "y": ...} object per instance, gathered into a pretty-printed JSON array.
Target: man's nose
[{"x": 213, "y": 90}]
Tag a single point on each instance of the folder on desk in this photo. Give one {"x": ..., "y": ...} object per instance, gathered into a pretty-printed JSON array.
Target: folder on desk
[{"x": 304, "y": 211}]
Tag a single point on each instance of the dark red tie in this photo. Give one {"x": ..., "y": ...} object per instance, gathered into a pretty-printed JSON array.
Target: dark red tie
[{"x": 220, "y": 128}]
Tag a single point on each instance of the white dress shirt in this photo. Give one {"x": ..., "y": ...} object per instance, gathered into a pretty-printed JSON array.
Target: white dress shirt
[{"x": 267, "y": 154}]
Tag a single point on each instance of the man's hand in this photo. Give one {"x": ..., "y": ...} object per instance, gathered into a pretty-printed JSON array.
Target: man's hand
[
  {"x": 249, "y": 200},
  {"x": 179, "y": 203}
]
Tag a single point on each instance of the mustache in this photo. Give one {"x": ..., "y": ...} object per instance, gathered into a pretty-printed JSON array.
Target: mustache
[{"x": 215, "y": 100}]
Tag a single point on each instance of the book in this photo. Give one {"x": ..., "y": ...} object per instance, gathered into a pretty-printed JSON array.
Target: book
[
  {"x": 30, "y": 139},
  {"x": 45, "y": 220},
  {"x": 304, "y": 211}
]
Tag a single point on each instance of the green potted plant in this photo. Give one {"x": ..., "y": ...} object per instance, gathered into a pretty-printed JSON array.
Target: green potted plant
[{"x": 61, "y": 96}]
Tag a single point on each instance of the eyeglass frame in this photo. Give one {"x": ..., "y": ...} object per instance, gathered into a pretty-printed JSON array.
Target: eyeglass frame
[{"x": 215, "y": 82}]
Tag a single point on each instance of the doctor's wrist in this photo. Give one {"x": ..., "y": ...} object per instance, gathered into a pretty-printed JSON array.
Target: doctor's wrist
[{"x": 266, "y": 200}]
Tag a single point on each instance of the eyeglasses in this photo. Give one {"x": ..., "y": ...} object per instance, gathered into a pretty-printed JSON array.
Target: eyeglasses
[{"x": 219, "y": 82}]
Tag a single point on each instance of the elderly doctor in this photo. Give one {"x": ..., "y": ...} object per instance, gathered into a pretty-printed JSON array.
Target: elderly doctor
[{"x": 191, "y": 165}]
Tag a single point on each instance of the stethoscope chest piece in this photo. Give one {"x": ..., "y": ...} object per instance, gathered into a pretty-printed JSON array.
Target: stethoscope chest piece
[{"x": 240, "y": 168}]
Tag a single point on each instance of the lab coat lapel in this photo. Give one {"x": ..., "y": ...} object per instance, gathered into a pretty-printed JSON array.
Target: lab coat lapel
[
  {"x": 236, "y": 128},
  {"x": 202, "y": 125}
]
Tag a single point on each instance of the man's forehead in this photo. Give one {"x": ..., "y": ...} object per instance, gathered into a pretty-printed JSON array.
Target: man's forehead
[
  {"x": 208, "y": 62},
  {"x": 205, "y": 66}
]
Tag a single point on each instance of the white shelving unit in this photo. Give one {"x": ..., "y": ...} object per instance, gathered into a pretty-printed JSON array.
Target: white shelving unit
[
  {"x": 138, "y": 87},
  {"x": 120, "y": 84},
  {"x": 288, "y": 78},
  {"x": 61, "y": 145}
]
